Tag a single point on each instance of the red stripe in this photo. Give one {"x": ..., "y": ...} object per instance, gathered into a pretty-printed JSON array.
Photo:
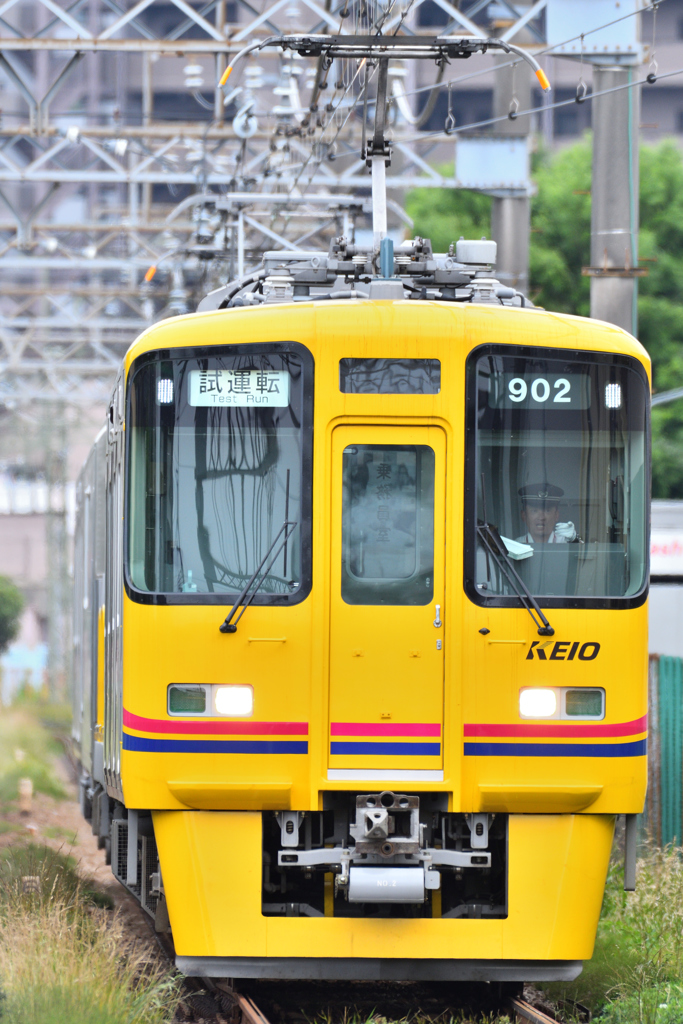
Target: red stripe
[
  {"x": 203, "y": 727},
  {"x": 385, "y": 729},
  {"x": 560, "y": 729}
]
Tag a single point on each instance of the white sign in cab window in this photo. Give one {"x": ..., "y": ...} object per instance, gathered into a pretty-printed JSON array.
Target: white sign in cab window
[{"x": 239, "y": 387}]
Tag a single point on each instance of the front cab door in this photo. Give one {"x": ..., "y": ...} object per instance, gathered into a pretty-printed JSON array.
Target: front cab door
[{"x": 387, "y": 604}]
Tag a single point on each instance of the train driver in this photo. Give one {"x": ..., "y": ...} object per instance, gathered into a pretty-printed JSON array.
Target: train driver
[{"x": 540, "y": 514}]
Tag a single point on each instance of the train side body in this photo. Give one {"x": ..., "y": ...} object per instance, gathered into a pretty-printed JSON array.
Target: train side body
[{"x": 416, "y": 696}]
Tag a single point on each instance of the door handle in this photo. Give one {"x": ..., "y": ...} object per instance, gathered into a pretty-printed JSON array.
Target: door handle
[{"x": 437, "y": 621}]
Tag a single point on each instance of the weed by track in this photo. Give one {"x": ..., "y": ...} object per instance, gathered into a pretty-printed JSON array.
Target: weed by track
[
  {"x": 65, "y": 957},
  {"x": 636, "y": 973}
]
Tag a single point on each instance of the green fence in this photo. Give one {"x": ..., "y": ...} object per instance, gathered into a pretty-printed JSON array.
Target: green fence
[{"x": 664, "y": 811}]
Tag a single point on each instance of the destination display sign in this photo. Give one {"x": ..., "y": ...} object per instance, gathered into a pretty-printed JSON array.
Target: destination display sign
[{"x": 239, "y": 387}]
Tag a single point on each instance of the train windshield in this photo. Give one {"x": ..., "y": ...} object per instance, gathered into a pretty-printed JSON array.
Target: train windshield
[
  {"x": 217, "y": 463},
  {"x": 557, "y": 465}
]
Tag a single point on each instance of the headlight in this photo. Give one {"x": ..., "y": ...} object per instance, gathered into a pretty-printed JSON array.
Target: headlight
[
  {"x": 234, "y": 700},
  {"x": 537, "y": 703}
]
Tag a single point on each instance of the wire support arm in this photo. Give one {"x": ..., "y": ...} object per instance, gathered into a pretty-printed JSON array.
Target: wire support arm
[
  {"x": 439, "y": 48},
  {"x": 249, "y": 48},
  {"x": 531, "y": 61},
  {"x": 494, "y": 546}
]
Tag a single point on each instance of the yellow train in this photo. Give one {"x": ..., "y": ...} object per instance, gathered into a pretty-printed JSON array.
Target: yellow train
[{"x": 361, "y": 642}]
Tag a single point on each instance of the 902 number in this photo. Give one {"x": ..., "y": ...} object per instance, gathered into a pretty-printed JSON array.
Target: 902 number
[{"x": 540, "y": 390}]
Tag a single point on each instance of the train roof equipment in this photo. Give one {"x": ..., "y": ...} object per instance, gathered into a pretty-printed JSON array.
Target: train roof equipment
[
  {"x": 381, "y": 270},
  {"x": 408, "y": 271}
]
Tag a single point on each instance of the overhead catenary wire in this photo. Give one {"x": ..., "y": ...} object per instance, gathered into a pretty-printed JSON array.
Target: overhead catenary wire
[
  {"x": 426, "y": 136},
  {"x": 404, "y": 15},
  {"x": 537, "y": 110},
  {"x": 663, "y": 397},
  {"x": 361, "y": 99},
  {"x": 547, "y": 52},
  {"x": 382, "y": 20},
  {"x": 485, "y": 42},
  {"x": 318, "y": 151},
  {"x": 358, "y": 101},
  {"x": 435, "y": 87}
]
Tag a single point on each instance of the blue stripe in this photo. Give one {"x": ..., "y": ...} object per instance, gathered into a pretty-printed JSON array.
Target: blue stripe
[
  {"x": 635, "y": 749},
  {"x": 214, "y": 746},
  {"x": 413, "y": 749}
]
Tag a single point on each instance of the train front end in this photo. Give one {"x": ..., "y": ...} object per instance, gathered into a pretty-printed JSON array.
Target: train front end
[{"x": 375, "y": 634}]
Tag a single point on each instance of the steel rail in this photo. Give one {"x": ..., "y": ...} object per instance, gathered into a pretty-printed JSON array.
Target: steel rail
[
  {"x": 525, "y": 1011},
  {"x": 251, "y": 1014},
  {"x": 250, "y": 1011}
]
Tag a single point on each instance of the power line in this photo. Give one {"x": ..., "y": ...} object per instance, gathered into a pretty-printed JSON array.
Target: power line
[
  {"x": 667, "y": 396},
  {"x": 548, "y": 51},
  {"x": 537, "y": 110}
]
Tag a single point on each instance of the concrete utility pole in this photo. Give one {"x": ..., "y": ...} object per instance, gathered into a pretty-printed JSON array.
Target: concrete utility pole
[
  {"x": 511, "y": 215},
  {"x": 614, "y": 218}
]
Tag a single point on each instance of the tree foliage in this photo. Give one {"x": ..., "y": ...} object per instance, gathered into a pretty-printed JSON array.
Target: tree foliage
[
  {"x": 561, "y": 230},
  {"x": 443, "y": 215},
  {"x": 560, "y": 247},
  {"x": 11, "y": 607}
]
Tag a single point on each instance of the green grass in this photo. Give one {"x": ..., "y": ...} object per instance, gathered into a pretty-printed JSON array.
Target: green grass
[
  {"x": 636, "y": 974},
  {"x": 647, "y": 1006},
  {"x": 27, "y": 750},
  {"x": 55, "y": 872},
  {"x": 42, "y": 776},
  {"x": 84, "y": 1004},
  {"x": 56, "y": 718},
  {"x": 65, "y": 956},
  {"x": 56, "y": 832},
  {"x": 65, "y": 961}
]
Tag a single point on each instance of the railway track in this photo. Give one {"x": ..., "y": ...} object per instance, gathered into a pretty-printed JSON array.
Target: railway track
[
  {"x": 217, "y": 1001},
  {"x": 220, "y": 1001},
  {"x": 525, "y": 1012}
]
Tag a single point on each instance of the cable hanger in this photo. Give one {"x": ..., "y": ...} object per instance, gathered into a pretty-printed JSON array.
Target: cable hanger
[
  {"x": 581, "y": 87},
  {"x": 449, "y": 125},
  {"x": 513, "y": 109},
  {"x": 653, "y": 66},
  {"x": 548, "y": 51}
]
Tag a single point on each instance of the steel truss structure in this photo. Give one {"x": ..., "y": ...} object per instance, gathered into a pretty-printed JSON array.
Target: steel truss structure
[
  {"x": 78, "y": 297},
  {"x": 101, "y": 178}
]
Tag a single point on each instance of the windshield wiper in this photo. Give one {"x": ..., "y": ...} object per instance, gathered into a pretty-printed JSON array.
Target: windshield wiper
[
  {"x": 252, "y": 588},
  {"x": 494, "y": 546}
]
